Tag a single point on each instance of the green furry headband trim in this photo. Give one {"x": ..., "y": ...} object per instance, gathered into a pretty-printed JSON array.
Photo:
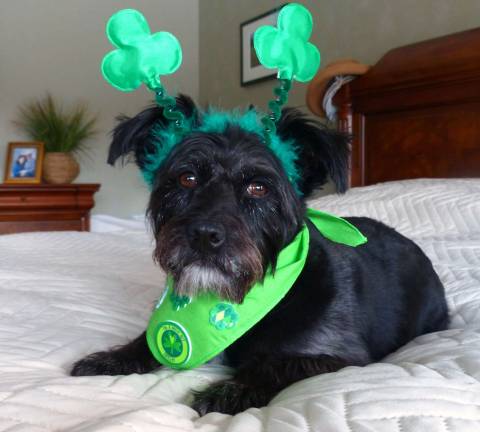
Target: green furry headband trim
[{"x": 213, "y": 121}]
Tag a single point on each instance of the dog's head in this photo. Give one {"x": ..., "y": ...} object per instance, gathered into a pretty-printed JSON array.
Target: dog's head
[{"x": 221, "y": 205}]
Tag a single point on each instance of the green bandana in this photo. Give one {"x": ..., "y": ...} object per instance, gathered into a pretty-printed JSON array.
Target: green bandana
[{"x": 184, "y": 333}]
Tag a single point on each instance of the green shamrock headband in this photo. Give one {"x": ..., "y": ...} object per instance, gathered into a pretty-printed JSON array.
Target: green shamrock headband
[
  {"x": 142, "y": 57},
  {"x": 287, "y": 49}
]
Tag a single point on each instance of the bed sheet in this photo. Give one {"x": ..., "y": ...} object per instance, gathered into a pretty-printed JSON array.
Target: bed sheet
[{"x": 64, "y": 295}]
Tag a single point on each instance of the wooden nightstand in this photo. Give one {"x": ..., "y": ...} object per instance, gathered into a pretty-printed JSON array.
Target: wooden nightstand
[{"x": 44, "y": 207}]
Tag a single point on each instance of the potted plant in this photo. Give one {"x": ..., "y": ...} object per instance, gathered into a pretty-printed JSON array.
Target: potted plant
[{"x": 63, "y": 132}]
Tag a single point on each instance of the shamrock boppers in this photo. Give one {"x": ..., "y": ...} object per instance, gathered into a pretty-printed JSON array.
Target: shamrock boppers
[
  {"x": 140, "y": 57},
  {"x": 286, "y": 47}
]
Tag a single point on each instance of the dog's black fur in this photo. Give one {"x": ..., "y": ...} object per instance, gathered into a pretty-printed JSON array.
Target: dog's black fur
[{"x": 350, "y": 306}]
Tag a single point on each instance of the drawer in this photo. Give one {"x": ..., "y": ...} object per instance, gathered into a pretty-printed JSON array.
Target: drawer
[
  {"x": 21, "y": 200},
  {"x": 13, "y": 227}
]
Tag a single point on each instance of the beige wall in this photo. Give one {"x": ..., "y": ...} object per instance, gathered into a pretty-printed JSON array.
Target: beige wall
[
  {"x": 57, "y": 45},
  {"x": 362, "y": 29}
]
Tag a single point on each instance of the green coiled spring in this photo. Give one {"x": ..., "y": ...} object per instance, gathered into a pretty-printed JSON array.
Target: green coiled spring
[
  {"x": 275, "y": 106},
  {"x": 170, "y": 110}
]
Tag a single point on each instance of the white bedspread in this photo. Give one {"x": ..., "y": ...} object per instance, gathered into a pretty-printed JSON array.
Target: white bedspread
[{"x": 64, "y": 295}]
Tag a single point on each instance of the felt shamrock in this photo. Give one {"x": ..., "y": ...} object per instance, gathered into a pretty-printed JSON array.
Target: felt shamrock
[
  {"x": 141, "y": 56},
  {"x": 179, "y": 302},
  {"x": 286, "y": 47}
]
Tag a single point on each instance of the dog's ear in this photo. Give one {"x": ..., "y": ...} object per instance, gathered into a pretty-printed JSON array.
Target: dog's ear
[
  {"x": 132, "y": 134},
  {"x": 322, "y": 153}
]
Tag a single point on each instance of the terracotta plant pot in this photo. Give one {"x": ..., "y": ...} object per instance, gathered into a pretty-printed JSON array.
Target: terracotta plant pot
[{"x": 60, "y": 168}]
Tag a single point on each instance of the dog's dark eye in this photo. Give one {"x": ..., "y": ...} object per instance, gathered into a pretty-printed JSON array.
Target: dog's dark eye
[
  {"x": 188, "y": 180},
  {"x": 257, "y": 189}
]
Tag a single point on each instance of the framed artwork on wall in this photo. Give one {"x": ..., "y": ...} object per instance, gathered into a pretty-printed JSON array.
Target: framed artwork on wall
[
  {"x": 24, "y": 163},
  {"x": 251, "y": 71}
]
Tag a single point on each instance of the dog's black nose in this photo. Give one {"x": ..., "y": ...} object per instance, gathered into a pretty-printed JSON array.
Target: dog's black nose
[{"x": 205, "y": 235}]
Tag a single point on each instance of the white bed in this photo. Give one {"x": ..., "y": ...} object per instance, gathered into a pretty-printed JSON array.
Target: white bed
[{"x": 63, "y": 295}]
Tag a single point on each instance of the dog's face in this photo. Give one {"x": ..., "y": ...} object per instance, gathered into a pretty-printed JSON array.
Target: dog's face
[{"x": 222, "y": 207}]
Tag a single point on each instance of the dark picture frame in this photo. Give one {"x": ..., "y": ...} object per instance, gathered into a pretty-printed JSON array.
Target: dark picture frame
[
  {"x": 251, "y": 71},
  {"x": 24, "y": 163}
]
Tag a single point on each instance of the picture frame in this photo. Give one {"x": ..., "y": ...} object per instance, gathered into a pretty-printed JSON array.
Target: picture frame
[
  {"x": 24, "y": 163},
  {"x": 251, "y": 71}
]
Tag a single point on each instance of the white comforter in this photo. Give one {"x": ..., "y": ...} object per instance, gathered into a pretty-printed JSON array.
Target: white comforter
[{"x": 64, "y": 295}]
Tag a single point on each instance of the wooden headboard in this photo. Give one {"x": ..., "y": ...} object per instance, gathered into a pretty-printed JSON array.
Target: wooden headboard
[{"x": 416, "y": 113}]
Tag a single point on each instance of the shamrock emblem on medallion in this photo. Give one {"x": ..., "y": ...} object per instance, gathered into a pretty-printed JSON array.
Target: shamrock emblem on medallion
[
  {"x": 140, "y": 56},
  {"x": 286, "y": 47},
  {"x": 171, "y": 343}
]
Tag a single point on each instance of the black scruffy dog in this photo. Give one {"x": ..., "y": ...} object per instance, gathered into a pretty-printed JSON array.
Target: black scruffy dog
[{"x": 222, "y": 208}]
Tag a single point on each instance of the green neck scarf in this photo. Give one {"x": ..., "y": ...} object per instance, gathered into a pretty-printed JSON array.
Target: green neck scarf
[{"x": 184, "y": 333}]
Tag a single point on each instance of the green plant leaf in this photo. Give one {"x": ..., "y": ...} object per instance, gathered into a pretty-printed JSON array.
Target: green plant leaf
[{"x": 61, "y": 131}]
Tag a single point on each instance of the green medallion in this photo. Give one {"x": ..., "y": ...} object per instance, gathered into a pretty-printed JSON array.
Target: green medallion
[
  {"x": 173, "y": 343},
  {"x": 223, "y": 316}
]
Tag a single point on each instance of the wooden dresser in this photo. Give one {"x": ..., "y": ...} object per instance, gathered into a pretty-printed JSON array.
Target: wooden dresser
[{"x": 44, "y": 207}]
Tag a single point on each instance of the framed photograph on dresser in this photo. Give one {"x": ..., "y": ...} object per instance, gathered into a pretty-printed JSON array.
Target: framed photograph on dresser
[{"x": 24, "y": 163}]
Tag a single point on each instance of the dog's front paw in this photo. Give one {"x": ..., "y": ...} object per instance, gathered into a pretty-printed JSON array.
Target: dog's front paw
[
  {"x": 103, "y": 363},
  {"x": 229, "y": 397}
]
